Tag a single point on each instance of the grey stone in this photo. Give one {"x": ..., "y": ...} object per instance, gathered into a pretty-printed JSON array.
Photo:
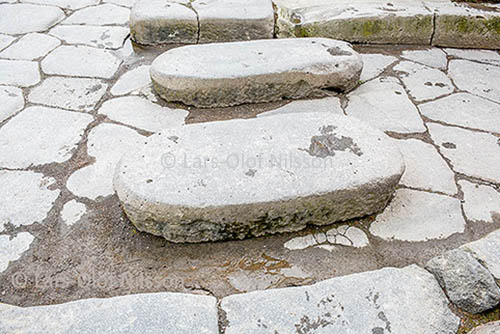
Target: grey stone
[
  {"x": 433, "y": 57},
  {"x": 489, "y": 328},
  {"x": 483, "y": 56},
  {"x": 327, "y": 104},
  {"x": 106, "y": 37},
  {"x": 24, "y": 18},
  {"x": 226, "y": 74},
  {"x": 99, "y": 15},
  {"x": 475, "y": 78},
  {"x": 131, "y": 81},
  {"x": 142, "y": 313},
  {"x": 487, "y": 251},
  {"x": 374, "y": 65},
  {"x": 389, "y": 300},
  {"x": 480, "y": 201},
  {"x": 246, "y": 178},
  {"x": 467, "y": 283}
]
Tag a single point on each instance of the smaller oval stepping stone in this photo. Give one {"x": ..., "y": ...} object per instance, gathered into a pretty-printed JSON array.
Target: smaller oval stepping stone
[
  {"x": 227, "y": 74},
  {"x": 240, "y": 178}
]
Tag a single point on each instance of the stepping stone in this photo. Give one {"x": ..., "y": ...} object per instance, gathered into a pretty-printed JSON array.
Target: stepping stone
[
  {"x": 201, "y": 21},
  {"x": 242, "y": 178},
  {"x": 227, "y": 74}
]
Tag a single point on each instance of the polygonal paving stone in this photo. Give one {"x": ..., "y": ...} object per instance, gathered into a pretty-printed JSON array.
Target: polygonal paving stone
[
  {"x": 425, "y": 168},
  {"x": 12, "y": 101},
  {"x": 100, "y": 15},
  {"x": 52, "y": 133},
  {"x": 69, "y": 93},
  {"x": 391, "y": 300},
  {"x": 433, "y": 57},
  {"x": 69, "y": 4},
  {"x": 484, "y": 56},
  {"x": 423, "y": 82},
  {"x": 107, "y": 37},
  {"x": 465, "y": 110},
  {"x": 346, "y": 235},
  {"x": 327, "y": 104},
  {"x": 474, "y": 154},
  {"x": 12, "y": 249},
  {"x": 132, "y": 80},
  {"x": 124, "y": 3},
  {"x": 226, "y": 74},
  {"x": 246, "y": 178},
  {"x": 142, "y": 313},
  {"x": 26, "y": 197},
  {"x": 72, "y": 211},
  {"x": 487, "y": 251},
  {"x": 19, "y": 73},
  {"x": 141, "y": 113},
  {"x": 81, "y": 61},
  {"x": 374, "y": 65},
  {"x": 383, "y": 103},
  {"x": 106, "y": 143},
  {"x": 479, "y": 79},
  {"x": 480, "y": 201},
  {"x": 24, "y": 18},
  {"x": 31, "y": 46},
  {"x": 5, "y": 41},
  {"x": 419, "y": 216}
]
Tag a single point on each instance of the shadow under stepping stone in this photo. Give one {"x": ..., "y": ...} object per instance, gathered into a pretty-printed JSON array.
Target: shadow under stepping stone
[
  {"x": 228, "y": 74},
  {"x": 243, "y": 178}
]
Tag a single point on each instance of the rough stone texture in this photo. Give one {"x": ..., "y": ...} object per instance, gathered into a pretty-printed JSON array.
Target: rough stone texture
[
  {"x": 53, "y": 135},
  {"x": 100, "y": 37},
  {"x": 419, "y": 216},
  {"x": 163, "y": 21},
  {"x": 487, "y": 251},
  {"x": 484, "y": 56},
  {"x": 68, "y": 4},
  {"x": 423, "y": 82},
  {"x": 480, "y": 201},
  {"x": 19, "y": 73},
  {"x": 20, "y": 190},
  {"x": 489, "y": 328},
  {"x": 141, "y": 113},
  {"x": 12, "y": 249},
  {"x": 99, "y": 15},
  {"x": 374, "y": 65},
  {"x": 467, "y": 283},
  {"x": 132, "y": 80},
  {"x": 142, "y": 313},
  {"x": 383, "y": 103},
  {"x": 24, "y": 18},
  {"x": 227, "y": 74},
  {"x": 433, "y": 57},
  {"x": 297, "y": 169},
  {"x": 390, "y": 300},
  {"x": 327, "y": 104},
  {"x": 425, "y": 168},
  {"x": 234, "y": 20},
  {"x": 465, "y": 110},
  {"x": 12, "y": 101},
  {"x": 474, "y": 154},
  {"x": 479, "y": 79},
  {"x": 347, "y": 236},
  {"x": 301, "y": 242},
  {"x": 72, "y": 212},
  {"x": 31, "y": 46},
  {"x": 82, "y": 61},
  {"x": 69, "y": 93}
]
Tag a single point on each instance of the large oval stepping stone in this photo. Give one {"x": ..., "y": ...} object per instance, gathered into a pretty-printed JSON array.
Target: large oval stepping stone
[
  {"x": 241, "y": 178},
  {"x": 226, "y": 74}
]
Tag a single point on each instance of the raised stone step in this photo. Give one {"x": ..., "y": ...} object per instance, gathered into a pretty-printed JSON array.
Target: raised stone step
[
  {"x": 226, "y": 74},
  {"x": 242, "y": 178},
  {"x": 201, "y": 21}
]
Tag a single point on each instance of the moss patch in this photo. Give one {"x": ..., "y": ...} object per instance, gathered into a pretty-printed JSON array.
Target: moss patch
[{"x": 470, "y": 321}]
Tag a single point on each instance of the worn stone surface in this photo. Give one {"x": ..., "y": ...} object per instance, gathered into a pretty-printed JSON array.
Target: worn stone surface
[
  {"x": 12, "y": 249},
  {"x": 383, "y": 103},
  {"x": 141, "y": 113},
  {"x": 99, "y": 15},
  {"x": 298, "y": 169},
  {"x": 31, "y": 46},
  {"x": 347, "y": 236},
  {"x": 327, "y": 104},
  {"x": 419, "y": 216},
  {"x": 406, "y": 300},
  {"x": 480, "y": 201},
  {"x": 234, "y": 20},
  {"x": 487, "y": 251},
  {"x": 67, "y": 4},
  {"x": 465, "y": 110},
  {"x": 489, "y": 328},
  {"x": 132, "y": 80},
  {"x": 12, "y": 101},
  {"x": 141, "y": 313},
  {"x": 479, "y": 79},
  {"x": 19, "y": 73},
  {"x": 484, "y": 56},
  {"x": 425, "y": 168},
  {"x": 107, "y": 37},
  {"x": 69, "y": 93},
  {"x": 24, "y": 18},
  {"x": 82, "y": 61},
  {"x": 474, "y": 154},
  {"x": 21, "y": 190},
  {"x": 226, "y": 74},
  {"x": 433, "y": 57},
  {"x": 467, "y": 283},
  {"x": 72, "y": 211},
  {"x": 374, "y": 65},
  {"x": 5, "y": 41},
  {"x": 53, "y": 135}
]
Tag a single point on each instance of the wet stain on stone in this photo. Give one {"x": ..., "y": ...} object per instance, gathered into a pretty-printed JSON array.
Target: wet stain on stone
[
  {"x": 251, "y": 172},
  {"x": 328, "y": 142},
  {"x": 336, "y": 51},
  {"x": 449, "y": 145}
]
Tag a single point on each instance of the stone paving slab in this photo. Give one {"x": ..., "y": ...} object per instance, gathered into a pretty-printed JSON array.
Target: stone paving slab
[
  {"x": 143, "y": 313},
  {"x": 390, "y": 300},
  {"x": 487, "y": 251},
  {"x": 228, "y": 74},
  {"x": 298, "y": 169},
  {"x": 24, "y": 18}
]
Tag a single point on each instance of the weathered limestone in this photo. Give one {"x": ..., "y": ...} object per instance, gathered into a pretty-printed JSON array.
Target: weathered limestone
[
  {"x": 12, "y": 101},
  {"x": 12, "y": 249},
  {"x": 475, "y": 78},
  {"x": 487, "y": 251},
  {"x": 30, "y": 47},
  {"x": 24, "y": 18},
  {"x": 241, "y": 178},
  {"x": 99, "y": 15},
  {"x": 107, "y": 37},
  {"x": 226, "y": 74},
  {"x": 389, "y": 300},
  {"x": 142, "y": 313},
  {"x": 480, "y": 202}
]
